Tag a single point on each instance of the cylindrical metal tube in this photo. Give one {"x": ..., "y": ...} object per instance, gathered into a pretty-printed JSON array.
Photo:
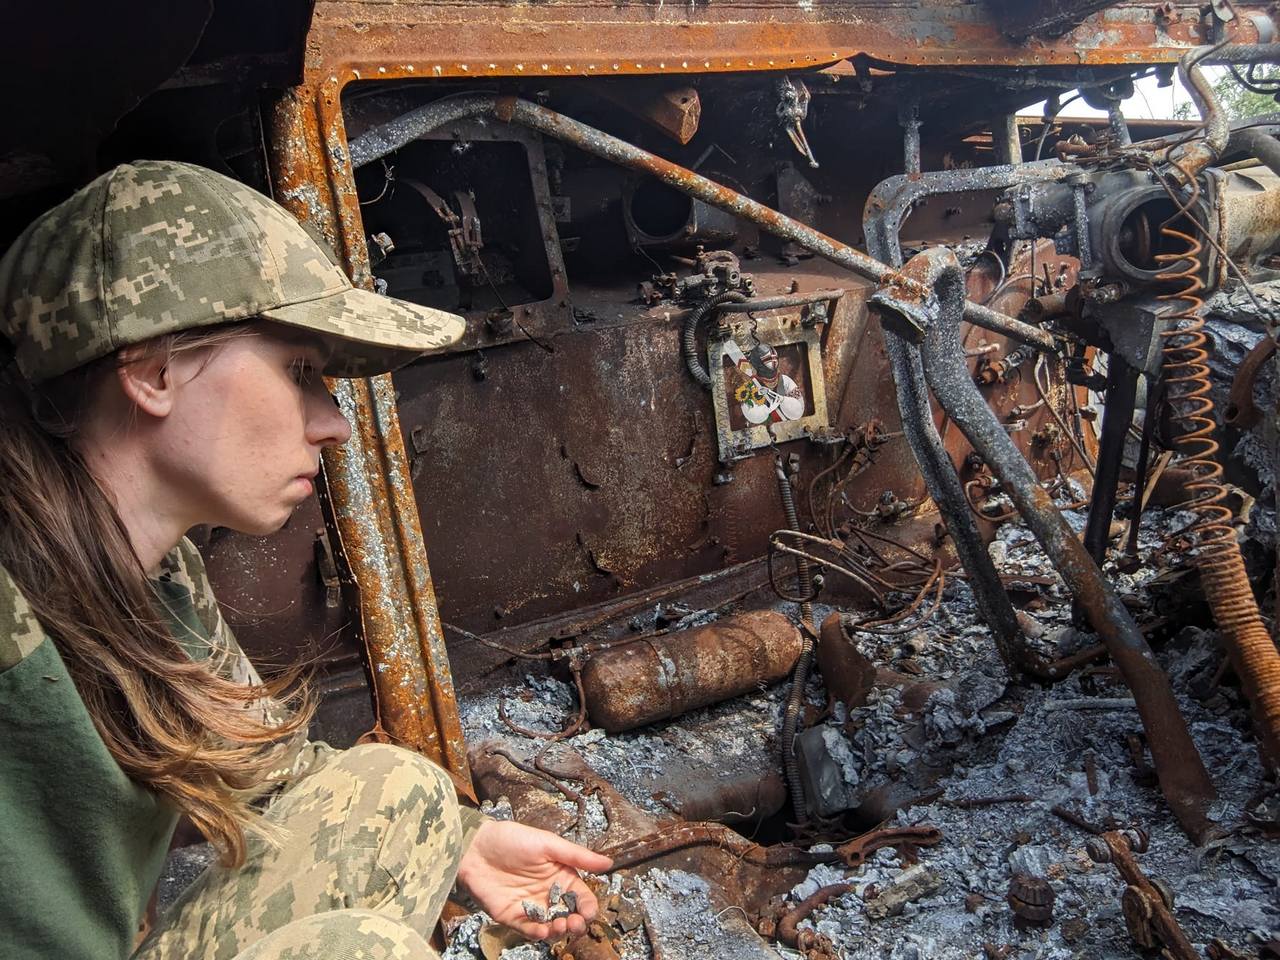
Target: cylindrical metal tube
[
  {"x": 661, "y": 677},
  {"x": 795, "y": 697},
  {"x": 1244, "y": 53}
]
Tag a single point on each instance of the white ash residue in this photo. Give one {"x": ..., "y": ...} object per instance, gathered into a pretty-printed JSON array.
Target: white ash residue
[
  {"x": 687, "y": 925},
  {"x": 1228, "y": 890},
  {"x": 999, "y": 738}
]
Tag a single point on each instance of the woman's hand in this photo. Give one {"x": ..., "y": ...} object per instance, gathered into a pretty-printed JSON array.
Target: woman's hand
[{"x": 509, "y": 862}]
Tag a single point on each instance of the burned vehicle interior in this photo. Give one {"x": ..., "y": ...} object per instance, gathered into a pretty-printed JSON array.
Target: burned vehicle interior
[{"x": 852, "y": 506}]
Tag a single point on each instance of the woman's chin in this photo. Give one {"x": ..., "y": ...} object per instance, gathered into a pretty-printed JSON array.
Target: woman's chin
[{"x": 264, "y": 526}]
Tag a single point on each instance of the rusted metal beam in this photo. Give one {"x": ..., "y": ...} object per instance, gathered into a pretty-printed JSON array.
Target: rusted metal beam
[
  {"x": 372, "y": 512},
  {"x": 1021, "y": 19},
  {"x": 1005, "y": 140},
  {"x": 375, "y": 40},
  {"x": 676, "y": 111}
]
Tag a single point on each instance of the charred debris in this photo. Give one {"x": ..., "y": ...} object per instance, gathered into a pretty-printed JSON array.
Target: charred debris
[
  {"x": 1027, "y": 707},
  {"x": 852, "y": 506}
]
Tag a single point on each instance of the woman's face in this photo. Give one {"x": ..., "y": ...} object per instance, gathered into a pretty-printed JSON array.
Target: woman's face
[{"x": 241, "y": 445}]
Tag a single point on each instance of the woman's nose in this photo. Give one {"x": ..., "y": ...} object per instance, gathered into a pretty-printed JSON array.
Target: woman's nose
[{"x": 326, "y": 425}]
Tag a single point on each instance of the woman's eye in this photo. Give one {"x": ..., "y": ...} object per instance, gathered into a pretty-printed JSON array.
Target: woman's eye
[{"x": 302, "y": 372}]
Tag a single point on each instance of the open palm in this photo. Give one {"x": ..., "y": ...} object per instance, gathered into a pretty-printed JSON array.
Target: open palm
[{"x": 508, "y": 863}]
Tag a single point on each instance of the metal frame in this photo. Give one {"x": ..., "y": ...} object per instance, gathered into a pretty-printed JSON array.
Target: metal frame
[
  {"x": 778, "y": 332},
  {"x": 537, "y": 318}
]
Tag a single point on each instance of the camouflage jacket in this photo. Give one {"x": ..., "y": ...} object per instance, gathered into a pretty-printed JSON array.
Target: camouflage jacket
[{"x": 81, "y": 845}]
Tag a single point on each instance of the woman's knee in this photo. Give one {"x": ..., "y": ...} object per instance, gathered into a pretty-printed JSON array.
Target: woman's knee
[
  {"x": 398, "y": 785},
  {"x": 342, "y": 935},
  {"x": 406, "y": 806}
]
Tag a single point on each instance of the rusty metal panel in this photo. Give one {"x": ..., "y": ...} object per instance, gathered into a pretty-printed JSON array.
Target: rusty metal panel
[
  {"x": 566, "y": 479},
  {"x": 372, "y": 39}
]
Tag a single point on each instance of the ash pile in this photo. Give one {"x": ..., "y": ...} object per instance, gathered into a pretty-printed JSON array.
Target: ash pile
[{"x": 947, "y": 806}]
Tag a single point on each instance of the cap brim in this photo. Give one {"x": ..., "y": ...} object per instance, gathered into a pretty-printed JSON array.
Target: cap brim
[{"x": 371, "y": 333}]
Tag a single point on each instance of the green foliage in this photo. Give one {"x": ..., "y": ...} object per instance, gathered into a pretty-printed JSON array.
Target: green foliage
[{"x": 1238, "y": 101}]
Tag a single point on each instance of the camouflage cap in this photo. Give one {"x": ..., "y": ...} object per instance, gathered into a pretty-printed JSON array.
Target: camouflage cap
[{"x": 154, "y": 247}]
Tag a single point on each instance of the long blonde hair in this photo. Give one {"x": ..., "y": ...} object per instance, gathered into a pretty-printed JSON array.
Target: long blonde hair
[{"x": 173, "y": 724}]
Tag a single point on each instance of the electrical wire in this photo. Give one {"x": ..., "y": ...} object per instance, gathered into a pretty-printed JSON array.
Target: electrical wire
[
  {"x": 1048, "y": 122},
  {"x": 1267, "y": 86},
  {"x": 1008, "y": 282},
  {"x": 1043, "y": 390}
]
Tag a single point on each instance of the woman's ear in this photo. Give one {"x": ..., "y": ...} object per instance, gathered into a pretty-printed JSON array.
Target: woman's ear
[{"x": 146, "y": 381}]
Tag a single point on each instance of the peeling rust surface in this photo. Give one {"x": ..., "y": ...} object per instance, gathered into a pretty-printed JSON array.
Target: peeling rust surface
[
  {"x": 649, "y": 680},
  {"x": 374, "y": 517},
  {"x": 586, "y": 471},
  {"x": 375, "y": 40},
  {"x": 1183, "y": 778}
]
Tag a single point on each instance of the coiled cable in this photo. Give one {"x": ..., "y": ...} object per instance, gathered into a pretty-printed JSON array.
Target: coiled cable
[{"x": 689, "y": 333}]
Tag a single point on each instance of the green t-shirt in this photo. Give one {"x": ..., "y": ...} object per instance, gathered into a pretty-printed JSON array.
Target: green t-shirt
[{"x": 81, "y": 845}]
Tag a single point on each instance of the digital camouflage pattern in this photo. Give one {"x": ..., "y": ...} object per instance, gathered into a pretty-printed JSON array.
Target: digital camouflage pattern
[
  {"x": 342, "y": 935},
  {"x": 182, "y": 582},
  {"x": 372, "y": 842},
  {"x": 182, "y": 575},
  {"x": 20, "y": 630},
  {"x": 368, "y": 840},
  {"x": 155, "y": 247}
]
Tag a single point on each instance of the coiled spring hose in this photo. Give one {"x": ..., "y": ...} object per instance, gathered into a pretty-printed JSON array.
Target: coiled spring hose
[
  {"x": 689, "y": 333},
  {"x": 800, "y": 675},
  {"x": 1222, "y": 573}
]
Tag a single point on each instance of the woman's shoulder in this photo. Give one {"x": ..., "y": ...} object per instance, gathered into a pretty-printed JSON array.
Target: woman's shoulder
[{"x": 20, "y": 631}]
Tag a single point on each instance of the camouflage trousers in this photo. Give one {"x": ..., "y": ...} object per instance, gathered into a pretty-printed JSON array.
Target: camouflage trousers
[{"x": 370, "y": 853}]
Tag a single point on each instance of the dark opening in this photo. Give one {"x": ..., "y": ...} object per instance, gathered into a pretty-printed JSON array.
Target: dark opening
[
  {"x": 657, "y": 210},
  {"x": 423, "y": 266},
  {"x": 1142, "y": 240}
]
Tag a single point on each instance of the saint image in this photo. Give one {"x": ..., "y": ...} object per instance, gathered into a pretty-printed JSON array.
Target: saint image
[{"x": 759, "y": 388}]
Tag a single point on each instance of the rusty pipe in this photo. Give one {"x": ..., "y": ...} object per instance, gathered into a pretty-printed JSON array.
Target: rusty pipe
[
  {"x": 761, "y": 304},
  {"x": 1202, "y": 151},
  {"x": 1257, "y": 143},
  {"x": 370, "y": 514},
  {"x": 661, "y": 677},
  {"x": 1243, "y": 53},
  {"x": 383, "y": 139},
  {"x": 788, "y": 931},
  {"x": 941, "y": 480},
  {"x": 945, "y": 488},
  {"x": 1183, "y": 778}
]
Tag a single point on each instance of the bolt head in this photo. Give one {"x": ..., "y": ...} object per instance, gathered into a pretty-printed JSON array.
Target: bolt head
[
  {"x": 1098, "y": 850},
  {"x": 1139, "y": 840}
]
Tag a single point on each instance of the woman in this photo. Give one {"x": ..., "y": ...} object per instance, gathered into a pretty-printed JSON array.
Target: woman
[{"x": 166, "y": 330}]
